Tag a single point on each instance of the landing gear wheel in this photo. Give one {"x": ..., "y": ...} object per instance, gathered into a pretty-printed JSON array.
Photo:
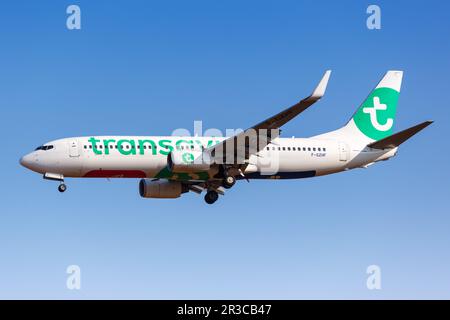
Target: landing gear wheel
[
  {"x": 211, "y": 197},
  {"x": 62, "y": 187},
  {"x": 228, "y": 182}
]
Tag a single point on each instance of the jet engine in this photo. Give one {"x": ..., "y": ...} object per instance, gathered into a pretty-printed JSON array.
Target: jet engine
[
  {"x": 149, "y": 188},
  {"x": 181, "y": 161}
]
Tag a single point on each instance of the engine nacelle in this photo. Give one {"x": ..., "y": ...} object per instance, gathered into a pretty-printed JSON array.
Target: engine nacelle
[
  {"x": 179, "y": 161},
  {"x": 161, "y": 188}
]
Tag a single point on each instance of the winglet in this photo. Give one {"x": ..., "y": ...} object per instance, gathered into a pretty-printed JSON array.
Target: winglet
[
  {"x": 319, "y": 91},
  {"x": 398, "y": 138}
]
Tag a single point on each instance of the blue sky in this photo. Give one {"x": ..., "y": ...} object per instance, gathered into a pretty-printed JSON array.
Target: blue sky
[{"x": 146, "y": 68}]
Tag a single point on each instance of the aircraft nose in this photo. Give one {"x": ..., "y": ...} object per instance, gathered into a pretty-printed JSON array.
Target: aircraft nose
[{"x": 26, "y": 161}]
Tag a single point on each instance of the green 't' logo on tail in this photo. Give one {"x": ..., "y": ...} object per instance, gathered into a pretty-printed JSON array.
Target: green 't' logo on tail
[{"x": 375, "y": 117}]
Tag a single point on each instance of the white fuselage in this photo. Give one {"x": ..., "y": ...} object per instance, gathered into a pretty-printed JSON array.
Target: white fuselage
[{"x": 146, "y": 157}]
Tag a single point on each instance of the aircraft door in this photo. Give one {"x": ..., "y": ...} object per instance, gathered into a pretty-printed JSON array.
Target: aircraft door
[
  {"x": 343, "y": 151},
  {"x": 73, "y": 149}
]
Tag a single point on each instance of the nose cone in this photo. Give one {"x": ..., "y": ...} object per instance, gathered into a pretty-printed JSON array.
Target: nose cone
[{"x": 27, "y": 161}]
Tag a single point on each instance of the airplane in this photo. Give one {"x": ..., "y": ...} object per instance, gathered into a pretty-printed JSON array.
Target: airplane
[{"x": 169, "y": 166}]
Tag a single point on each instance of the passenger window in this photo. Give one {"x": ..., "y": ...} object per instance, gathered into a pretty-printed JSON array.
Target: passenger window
[
  {"x": 284, "y": 148},
  {"x": 289, "y": 148},
  {"x": 309, "y": 149},
  {"x": 324, "y": 149},
  {"x": 314, "y": 149}
]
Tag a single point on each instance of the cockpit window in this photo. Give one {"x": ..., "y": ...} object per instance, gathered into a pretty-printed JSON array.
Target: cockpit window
[{"x": 45, "y": 148}]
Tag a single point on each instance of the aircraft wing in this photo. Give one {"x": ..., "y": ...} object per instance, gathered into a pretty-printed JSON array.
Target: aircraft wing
[
  {"x": 264, "y": 132},
  {"x": 281, "y": 118}
]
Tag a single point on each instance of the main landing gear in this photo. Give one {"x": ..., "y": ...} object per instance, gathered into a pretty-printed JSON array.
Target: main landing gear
[
  {"x": 228, "y": 182},
  {"x": 211, "y": 196}
]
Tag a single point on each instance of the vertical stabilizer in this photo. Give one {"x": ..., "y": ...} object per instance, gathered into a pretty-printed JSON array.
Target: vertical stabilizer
[{"x": 375, "y": 117}]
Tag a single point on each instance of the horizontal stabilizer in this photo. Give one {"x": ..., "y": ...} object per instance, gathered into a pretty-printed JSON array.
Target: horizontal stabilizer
[{"x": 398, "y": 138}]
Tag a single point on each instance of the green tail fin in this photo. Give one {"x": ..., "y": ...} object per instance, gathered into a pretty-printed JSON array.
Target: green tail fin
[{"x": 376, "y": 115}]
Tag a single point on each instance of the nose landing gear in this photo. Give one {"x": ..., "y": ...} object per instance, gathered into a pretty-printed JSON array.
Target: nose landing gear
[
  {"x": 56, "y": 177},
  {"x": 62, "y": 187}
]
